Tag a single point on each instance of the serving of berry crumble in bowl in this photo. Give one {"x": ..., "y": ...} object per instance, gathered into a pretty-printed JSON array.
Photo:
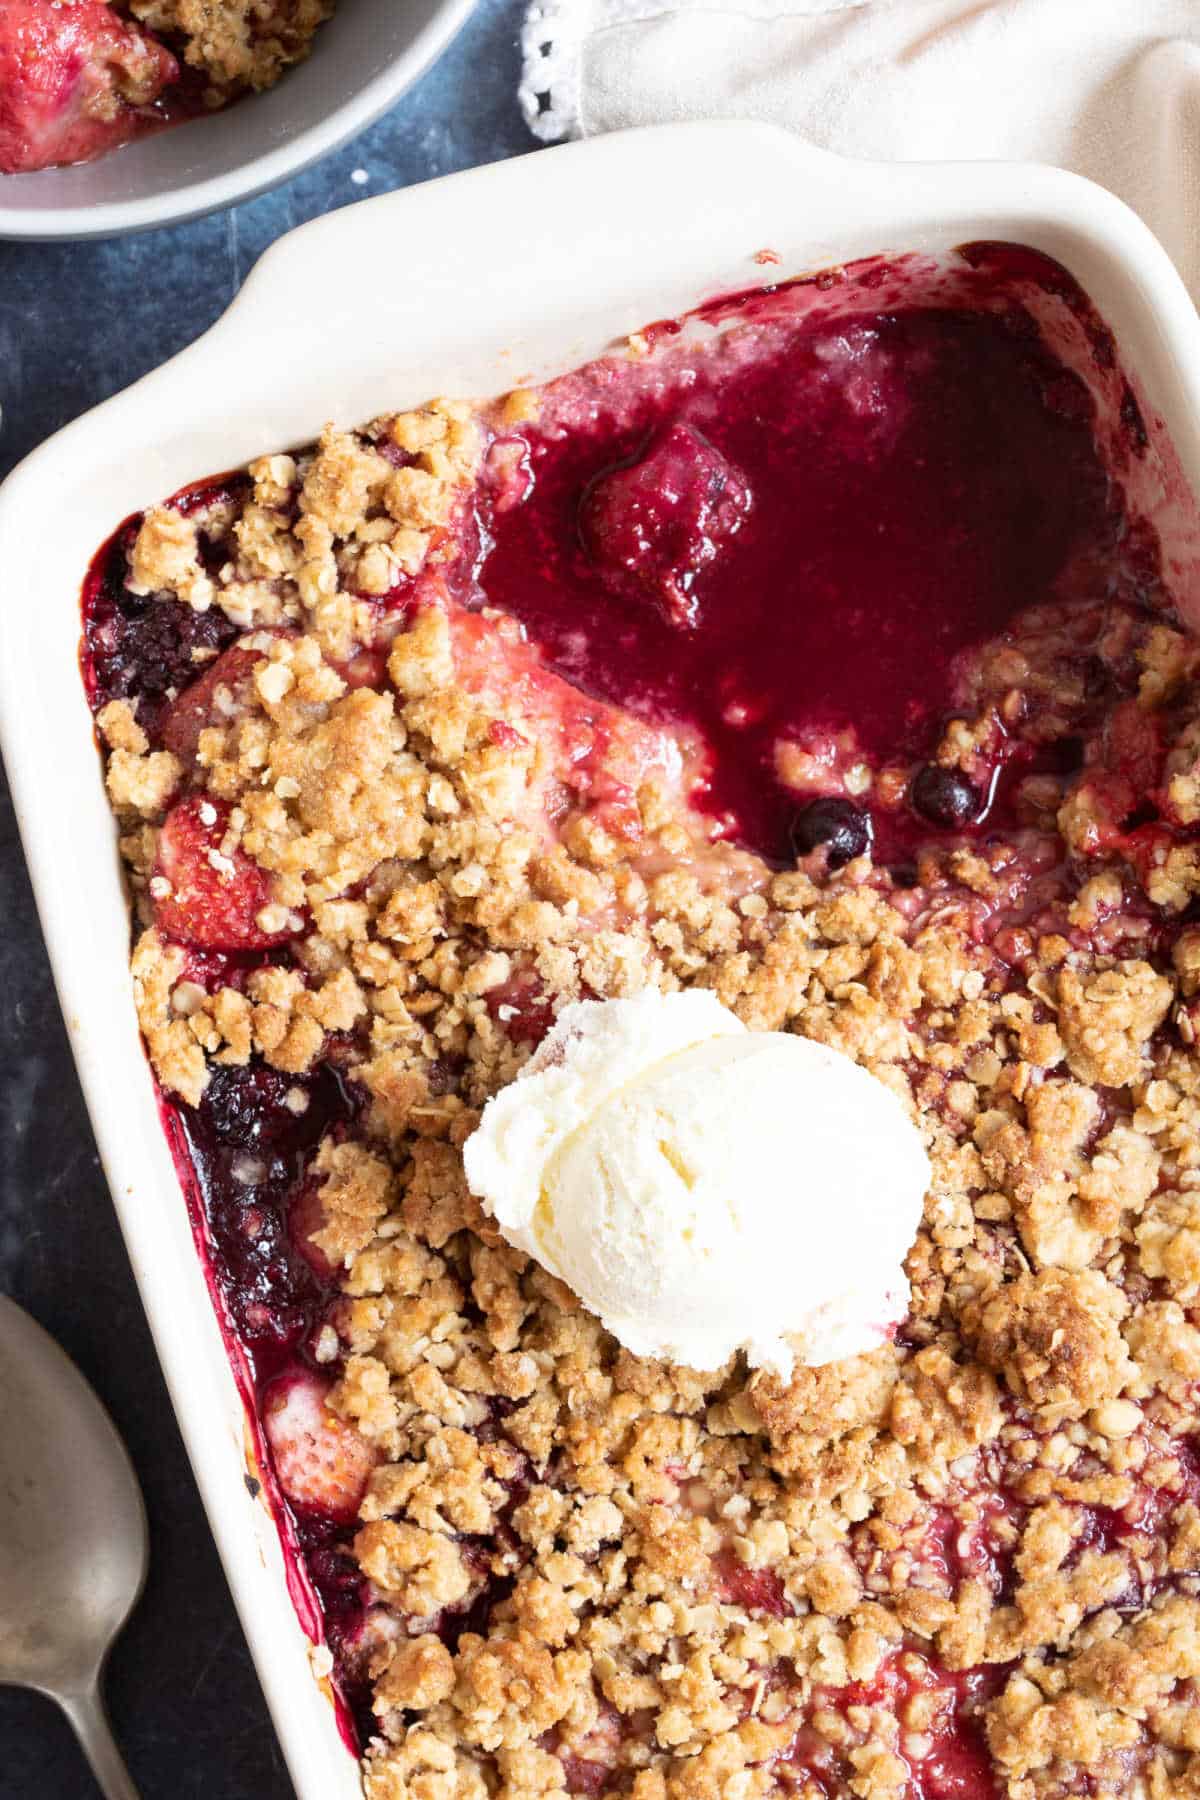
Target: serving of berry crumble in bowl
[
  {"x": 657, "y": 783},
  {"x": 89, "y": 88}
]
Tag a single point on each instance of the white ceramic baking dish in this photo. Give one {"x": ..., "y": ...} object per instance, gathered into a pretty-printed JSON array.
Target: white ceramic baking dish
[{"x": 464, "y": 286}]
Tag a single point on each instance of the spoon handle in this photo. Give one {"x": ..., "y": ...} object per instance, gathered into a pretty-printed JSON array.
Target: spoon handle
[{"x": 90, "y": 1724}]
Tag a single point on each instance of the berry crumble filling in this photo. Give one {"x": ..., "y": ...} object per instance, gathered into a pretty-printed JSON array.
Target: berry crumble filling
[
  {"x": 81, "y": 77},
  {"x": 827, "y": 651}
]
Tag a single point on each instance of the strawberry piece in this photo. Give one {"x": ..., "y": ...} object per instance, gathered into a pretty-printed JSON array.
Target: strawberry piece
[
  {"x": 758, "y": 1590},
  {"x": 225, "y": 690},
  {"x": 1133, "y": 747},
  {"x": 321, "y": 1463},
  {"x": 590, "y": 755},
  {"x": 582, "y": 1776},
  {"x": 521, "y": 1007},
  {"x": 652, "y": 527},
  {"x": 306, "y": 1217},
  {"x": 215, "y": 897},
  {"x": 76, "y": 80}
]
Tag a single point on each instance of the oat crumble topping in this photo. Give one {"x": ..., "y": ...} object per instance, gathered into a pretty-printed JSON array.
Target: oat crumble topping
[
  {"x": 238, "y": 44},
  {"x": 591, "y": 1573}
]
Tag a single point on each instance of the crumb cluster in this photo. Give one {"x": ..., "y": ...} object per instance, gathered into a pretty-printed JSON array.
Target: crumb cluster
[
  {"x": 975, "y": 1548},
  {"x": 236, "y": 45}
]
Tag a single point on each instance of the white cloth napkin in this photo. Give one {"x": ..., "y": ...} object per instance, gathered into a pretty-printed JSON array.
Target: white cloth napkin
[{"x": 1110, "y": 88}]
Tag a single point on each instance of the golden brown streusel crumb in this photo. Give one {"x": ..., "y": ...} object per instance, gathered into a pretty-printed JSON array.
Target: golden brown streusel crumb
[
  {"x": 1056, "y": 1338},
  {"x": 1107, "y": 1022},
  {"x": 420, "y": 1673},
  {"x": 420, "y": 1571},
  {"x": 357, "y": 1191},
  {"x": 142, "y": 784},
  {"x": 178, "y": 1059},
  {"x": 238, "y": 43},
  {"x": 165, "y": 559},
  {"x": 117, "y": 724}
]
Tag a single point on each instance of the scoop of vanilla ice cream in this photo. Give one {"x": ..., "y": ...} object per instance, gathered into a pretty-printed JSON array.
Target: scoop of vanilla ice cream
[{"x": 704, "y": 1188}]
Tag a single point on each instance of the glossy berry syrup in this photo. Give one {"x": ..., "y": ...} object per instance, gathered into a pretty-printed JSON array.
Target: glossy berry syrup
[
  {"x": 800, "y": 538},
  {"x": 243, "y": 1157}
]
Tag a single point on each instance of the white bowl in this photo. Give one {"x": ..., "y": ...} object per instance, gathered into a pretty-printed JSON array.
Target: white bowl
[
  {"x": 478, "y": 281},
  {"x": 363, "y": 59}
]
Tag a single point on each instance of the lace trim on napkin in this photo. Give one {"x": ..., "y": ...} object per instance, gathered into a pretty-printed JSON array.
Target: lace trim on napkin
[
  {"x": 551, "y": 89},
  {"x": 554, "y": 33}
]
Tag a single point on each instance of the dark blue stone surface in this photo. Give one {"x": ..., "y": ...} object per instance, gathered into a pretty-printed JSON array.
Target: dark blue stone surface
[{"x": 77, "y": 323}]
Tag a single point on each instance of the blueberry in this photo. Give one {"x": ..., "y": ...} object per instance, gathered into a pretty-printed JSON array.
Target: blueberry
[
  {"x": 838, "y": 825},
  {"x": 945, "y": 797}
]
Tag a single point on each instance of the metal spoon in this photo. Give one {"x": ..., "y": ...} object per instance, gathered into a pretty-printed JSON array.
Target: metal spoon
[{"x": 72, "y": 1537}]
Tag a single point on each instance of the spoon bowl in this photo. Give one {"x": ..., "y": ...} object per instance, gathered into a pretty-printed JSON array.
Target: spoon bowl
[{"x": 73, "y": 1540}]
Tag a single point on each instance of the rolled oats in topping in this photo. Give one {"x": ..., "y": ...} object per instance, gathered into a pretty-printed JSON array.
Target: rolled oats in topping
[{"x": 975, "y": 1550}]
